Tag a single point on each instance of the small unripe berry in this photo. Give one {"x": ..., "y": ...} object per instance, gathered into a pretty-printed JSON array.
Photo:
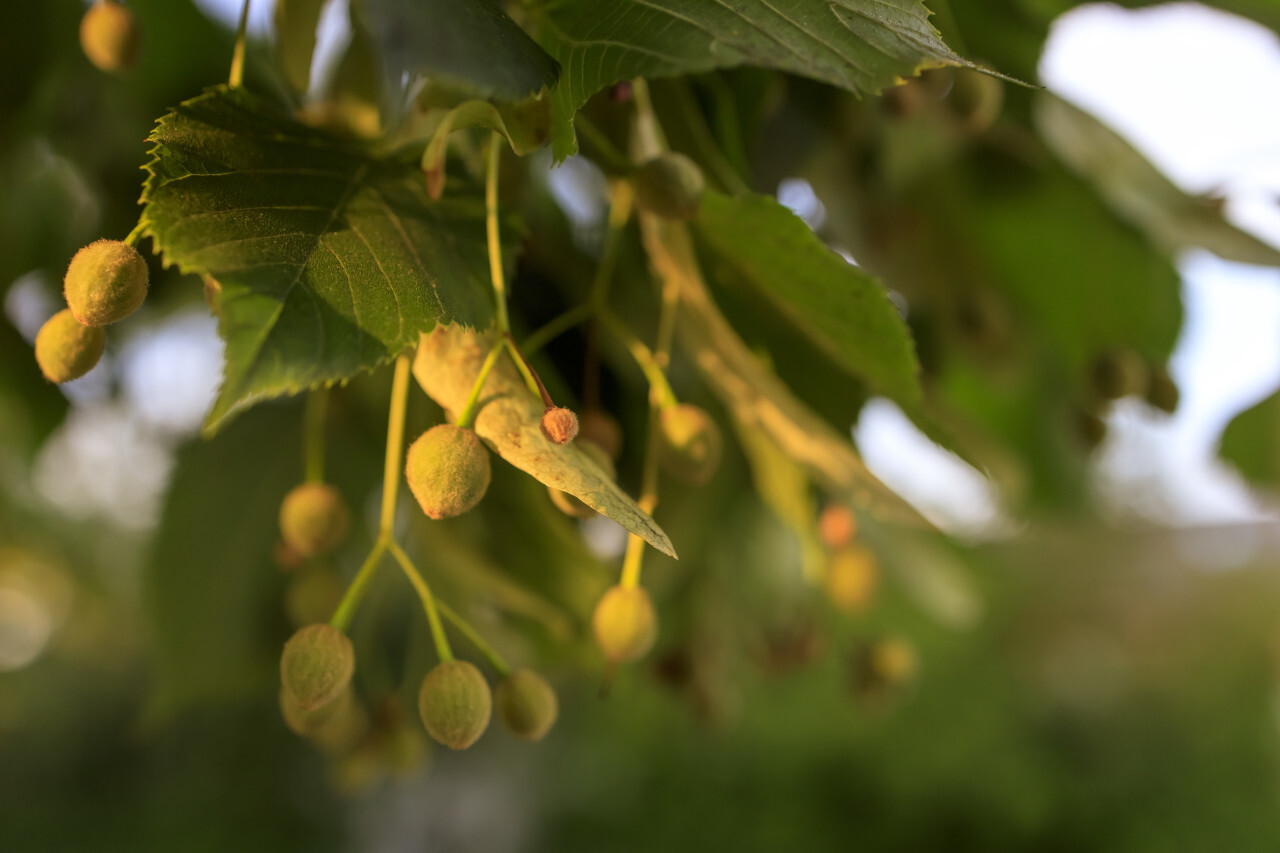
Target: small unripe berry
[
  {"x": 526, "y": 704},
  {"x": 690, "y": 443},
  {"x": 317, "y": 665},
  {"x": 625, "y": 624},
  {"x": 313, "y": 519},
  {"x": 571, "y": 505},
  {"x": 1118, "y": 373},
  {"x": 448, "y": 470},
  {"x": 330, "y": 722},
  {"x": 851, "y": 579},
  {"x": 67, "y": 350},
  {"x": 106, "y": 281},
  {"x": 455, "y": 703},
  {"x": 1162, "y": 391},
  {"x": 602, "y": 428},
  {"x": 670, "y": 185},
  {"x": 837, "y": 525},
  {"x": 559, "y": 425},
  {"x": 110, "y": 36}
]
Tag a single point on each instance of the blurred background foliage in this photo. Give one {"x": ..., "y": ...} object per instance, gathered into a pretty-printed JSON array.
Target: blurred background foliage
[{"x": 1069, "y": 682}]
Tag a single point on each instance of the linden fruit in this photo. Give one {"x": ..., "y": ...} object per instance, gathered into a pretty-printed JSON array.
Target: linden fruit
[
  {"x": 1118, "y": 373},
  {"x": 837, "y": 525},
  {"x": 571, "y": 505},
  {"x": 526, "y": 704},
  {"x": 105, "y": 282},
  {"x": 852, "y": 577},
  {"x": 317, "y": 665},
  {"x": 559, "y": 425},
  {"x": 448, "y": 470},
  {"x": 455, "y": 703},
  {"x": 1162, "y": 391},
  {"x": 110, "y": 36},
  {"x": 335, "y": 727},
  {"x": 67, "y": 350},
  {"x": 313, "y": 519},
  {"x": 599, "y": 427},
  {"x": 670, "y": 185},
  {"x": 625, "y": 624},
  {"x": 690, "y": 443}
]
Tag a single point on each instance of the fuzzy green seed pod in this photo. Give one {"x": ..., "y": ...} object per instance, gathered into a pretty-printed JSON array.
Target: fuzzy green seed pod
[
  {"x": 67, "y": 350},
  {"x": 317, "y": 665},
  {"x": 690, "y": 443},
  {"x": 559, "y": 425},
  {"x": 313, "y": 519},
  {"x": 670, "y": 185},
  {"x": 455, "y": 703},
  {"x": 110, "y": 36},
  {"x": 325, "y": 719},
  {"x": 106, "y": 281},
  {"x": 571, "y": 505},
  {"x": 599, "y": 427},
  {"x": 526, "y": 704},
  {"x": 625, "y": 624},
  {"x": 1118, "y": 373},
  {"x": 1162, "y": 391},
  {"x": 448, "y": 470}
]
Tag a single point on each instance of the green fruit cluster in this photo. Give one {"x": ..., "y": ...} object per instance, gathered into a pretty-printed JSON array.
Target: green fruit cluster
[
  {"x": 455, "y": 703},
  {"x": 690, "y": 443},
  {"x": 625, "y": 624},
  {"x": 448, "y": 470},
  {"x": 313, "y": 519},
  {"x": 526, "y": 704},
  {"x": 110, "y": 36},
  {"x": 670, "y": 185},
  {"x": 67, "y": 350},
  {"x": 316, "y": 666}
]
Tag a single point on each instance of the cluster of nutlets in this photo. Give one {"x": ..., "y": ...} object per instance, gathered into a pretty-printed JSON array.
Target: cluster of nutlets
[{"x": 106, "y": 282}]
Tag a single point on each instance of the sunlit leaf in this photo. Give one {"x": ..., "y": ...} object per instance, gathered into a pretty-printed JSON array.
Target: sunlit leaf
[
  {"x": 509, "y": 421},
  {"x": 331, "y": 259}
]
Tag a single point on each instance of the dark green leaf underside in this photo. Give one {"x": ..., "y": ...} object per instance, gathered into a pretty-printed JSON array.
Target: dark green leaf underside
[
  {"x": 331, "y": 260},
  {"x": 473, "y": 43},
  {"x": 756, "y": 242},
  {"x": 859, "y": 45}
]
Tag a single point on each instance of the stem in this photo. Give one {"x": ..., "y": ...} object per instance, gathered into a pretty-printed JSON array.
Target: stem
[
  {"x": 556, "y": 327},
  {"x": 313, "y": 422},
  {"x": 390, "y": 486},
  {"x": 622, "y": 195},
  {"x": 520, "y": 359},
  {"x": 428, "y": 601},
  {"x": 135, "y": 236},
  {"x": 607, "y": 150},
  {"x": 395, "y": 446},
  {"x": 491, "y": 228},
  {"x": 696, "y": 122},
  {"x": 355, "y": 591},
  {"x": 469, "y": 410},
  {"x": 659, "y": 388},
  {"x": 236, "y": 78},
  {"x": 473, "y": 636}
]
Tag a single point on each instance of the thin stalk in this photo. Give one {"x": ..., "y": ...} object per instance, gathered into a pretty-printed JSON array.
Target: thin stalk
[
  {"x": 313, "y": 423},
  {"x": 355, "y": 591},
  {"x": 236, "y": 78},
  {"x": 520, "y": 359},
  {"x": 491, "y": 228},
  {"x": 659, "y": 388},
  {"x": 428, "y": 601},
  {"x": 473, "y": 636},
  {"x": 555, "y": 327},
  {"x": 469, "y": 411}
]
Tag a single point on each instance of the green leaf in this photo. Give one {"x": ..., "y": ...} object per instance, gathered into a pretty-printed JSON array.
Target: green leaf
[
  {"x": 210, "y": 588},
  {"x": 1139, "y": 192},
  {"x": 757, "y": 243},
  {"x": 755, "y": 396},
  {"x": 471, "y": 42},
  {"x": 859, "y": 45},
  {"x": 331, "y": 259},
  {"x": 1252, "y": 443},
  {"x": 509, "y": 420},
  {"x": 295, "y": 25}
]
